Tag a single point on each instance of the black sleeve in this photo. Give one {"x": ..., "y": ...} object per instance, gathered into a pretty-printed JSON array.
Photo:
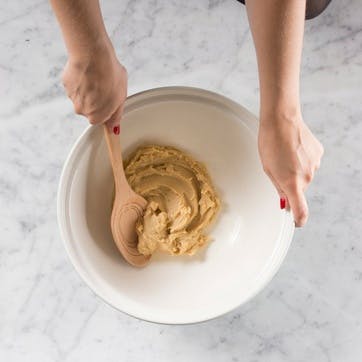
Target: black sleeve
[{"x": 313, "y": 7}]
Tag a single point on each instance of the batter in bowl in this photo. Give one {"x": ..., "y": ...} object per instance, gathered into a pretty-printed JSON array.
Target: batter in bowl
[{"x": 182, "y": 201}]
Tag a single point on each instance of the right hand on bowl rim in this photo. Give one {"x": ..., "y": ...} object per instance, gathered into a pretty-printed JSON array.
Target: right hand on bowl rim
[{"x": 290, "y": 155}]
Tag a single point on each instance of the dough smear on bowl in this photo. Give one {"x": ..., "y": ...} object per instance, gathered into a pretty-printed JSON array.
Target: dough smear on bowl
[{"x": 182, "y": 201}]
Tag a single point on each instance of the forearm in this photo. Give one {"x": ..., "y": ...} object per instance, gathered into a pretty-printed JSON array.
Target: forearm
[
  {"x": 82, "y": 25},
  {"x": 277, "y": 27}
]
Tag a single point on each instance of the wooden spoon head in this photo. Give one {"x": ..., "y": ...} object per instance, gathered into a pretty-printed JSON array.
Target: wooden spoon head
[{"x": 123, "y": 224}]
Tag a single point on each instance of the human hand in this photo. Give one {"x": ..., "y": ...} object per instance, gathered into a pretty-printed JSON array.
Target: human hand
[
  {"x": 97, "y": 84},
  {"x": 290, "y": 155}
]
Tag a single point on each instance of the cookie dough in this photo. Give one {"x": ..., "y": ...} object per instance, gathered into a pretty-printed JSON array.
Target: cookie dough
[{"x": 182, "y": 201}]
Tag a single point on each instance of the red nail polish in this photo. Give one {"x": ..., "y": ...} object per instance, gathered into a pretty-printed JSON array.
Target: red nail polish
[
  {"x": 282, "y": 203},
  {"x": 116, "y": 129}
]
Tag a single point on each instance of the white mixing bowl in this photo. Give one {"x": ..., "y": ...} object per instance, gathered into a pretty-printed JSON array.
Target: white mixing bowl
[{"x": 250, "y": 237}]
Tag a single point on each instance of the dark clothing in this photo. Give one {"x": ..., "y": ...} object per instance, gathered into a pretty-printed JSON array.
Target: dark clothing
[{"x": 313, "y": 8}]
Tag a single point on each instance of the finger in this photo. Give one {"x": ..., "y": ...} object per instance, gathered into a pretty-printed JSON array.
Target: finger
[
  {"x": 284, "y": 204},
  {"x": 115, "y": 119},
  {"x": 298, "y": 204},
  {"x": 102, "y": 114}
]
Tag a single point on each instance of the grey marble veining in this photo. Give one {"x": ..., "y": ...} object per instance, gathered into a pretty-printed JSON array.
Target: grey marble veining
[{"x": 312, "y": 309}]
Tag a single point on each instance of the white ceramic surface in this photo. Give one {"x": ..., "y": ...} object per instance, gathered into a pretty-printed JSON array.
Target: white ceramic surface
[{"x": 250, "y": 237}]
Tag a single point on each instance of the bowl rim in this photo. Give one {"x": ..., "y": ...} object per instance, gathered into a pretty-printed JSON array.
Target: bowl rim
[{"x": 273, "y": 266}]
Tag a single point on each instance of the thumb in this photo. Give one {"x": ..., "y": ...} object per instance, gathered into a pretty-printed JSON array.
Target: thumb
[
  {"x": 298, "y": 204},
  {"x": 115, "y": 119}
]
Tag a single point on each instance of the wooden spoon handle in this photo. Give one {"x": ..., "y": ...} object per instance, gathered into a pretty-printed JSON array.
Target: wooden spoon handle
[
  {"x": 115, "y": 155},
  {"x": 128, "y": 207}
]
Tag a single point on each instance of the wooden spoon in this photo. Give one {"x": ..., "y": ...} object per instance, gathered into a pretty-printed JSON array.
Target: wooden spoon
[{"x": 128, "y": 206}]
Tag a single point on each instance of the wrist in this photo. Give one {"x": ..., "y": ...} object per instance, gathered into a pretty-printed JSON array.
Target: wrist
[
  {"x": 280, "y": 112},
  {"x": 93, "y": 48},
  {"x": 280, "y": 100},
  {"x": 280, "y": 108}
]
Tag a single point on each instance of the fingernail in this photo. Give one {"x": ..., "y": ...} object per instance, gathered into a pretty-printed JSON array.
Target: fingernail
[
  {"x": 282, "y": 203},
  {"x": 116, "y": 129}
]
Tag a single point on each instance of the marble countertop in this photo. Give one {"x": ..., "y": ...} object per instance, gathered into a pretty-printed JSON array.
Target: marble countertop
[{"x": 311, "y": 311}]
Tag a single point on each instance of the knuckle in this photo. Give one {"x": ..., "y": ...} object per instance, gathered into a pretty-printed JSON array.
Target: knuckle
[
  {"x": 93, "y": 121},
  {"x": 303, "y": 214},
  {"x": 77, "y": 108},
  {"x": 308, "y": 176},
  {"x": 301, "y": 217}
]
